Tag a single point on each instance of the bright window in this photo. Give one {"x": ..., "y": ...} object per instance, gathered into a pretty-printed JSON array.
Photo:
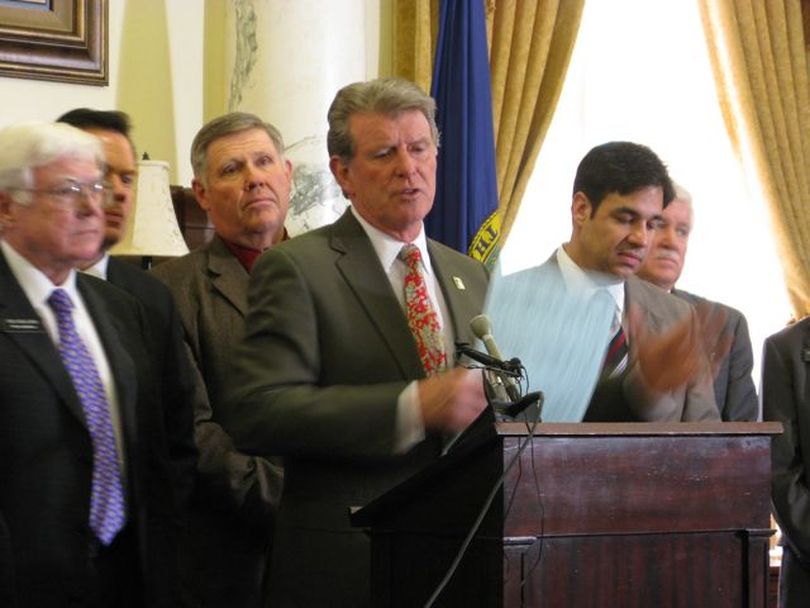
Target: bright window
[{"x": 640, "y": 72}]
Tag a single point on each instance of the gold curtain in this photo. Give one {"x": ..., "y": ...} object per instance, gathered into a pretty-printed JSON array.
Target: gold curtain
[
  {"x": 531, "y": 42},
  {"x": 531, "y": 48},
  {"x": 415, "y": 25},
  {"x": 760, "y": 67}
]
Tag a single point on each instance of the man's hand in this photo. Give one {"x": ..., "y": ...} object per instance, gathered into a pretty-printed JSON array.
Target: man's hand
[
  {"x": 676, "y": 357},
  {"x": 450, "y": 401}
]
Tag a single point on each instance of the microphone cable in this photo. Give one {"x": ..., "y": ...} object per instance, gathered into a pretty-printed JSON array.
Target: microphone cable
[{"x": 487, "y": 504}]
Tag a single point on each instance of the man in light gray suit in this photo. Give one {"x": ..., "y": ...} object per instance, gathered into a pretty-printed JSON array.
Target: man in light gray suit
[
  {"x": 242, "y": 180},
  {"x": 734, "y": 388},
  {"x": 330, "y": 374},
  {"x": 620, "y": 191}
]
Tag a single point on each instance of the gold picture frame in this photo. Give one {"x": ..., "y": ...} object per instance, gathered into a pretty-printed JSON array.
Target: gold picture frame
[{"x": 60, "y": 40}]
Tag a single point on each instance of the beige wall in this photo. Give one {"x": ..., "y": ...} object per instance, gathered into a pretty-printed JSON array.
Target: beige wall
[
  {"x": 166, "y": 69},
  {"x": 154, "y": 76}
]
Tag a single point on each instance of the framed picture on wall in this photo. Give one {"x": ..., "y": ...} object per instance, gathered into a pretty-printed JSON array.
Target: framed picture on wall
[{"x": 62, "y": 40}]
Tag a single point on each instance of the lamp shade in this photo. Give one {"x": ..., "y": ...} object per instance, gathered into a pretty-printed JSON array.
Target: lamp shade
[{"x": 152, "y": 229}]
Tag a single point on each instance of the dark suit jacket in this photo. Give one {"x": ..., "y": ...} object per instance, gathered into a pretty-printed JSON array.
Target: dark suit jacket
[
  {"x": 170, "y": 359},
  {"x": 46, "y": 451},
  {"x": 734, "y": 388},
  {"x": 786, "y": 399},
  {"x": 327, "y": 352},
  {"x": 232, "y": 516}
]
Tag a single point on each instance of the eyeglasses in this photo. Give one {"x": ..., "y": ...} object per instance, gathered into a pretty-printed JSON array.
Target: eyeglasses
[{"x": 70, "y": 193}]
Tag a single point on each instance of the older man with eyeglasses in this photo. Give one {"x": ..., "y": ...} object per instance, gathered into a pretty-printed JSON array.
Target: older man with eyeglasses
[{"x": 84, "y": 478}]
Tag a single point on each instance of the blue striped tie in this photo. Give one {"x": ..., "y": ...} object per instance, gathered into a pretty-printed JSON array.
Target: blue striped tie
[{"x": 107, "y": 514}]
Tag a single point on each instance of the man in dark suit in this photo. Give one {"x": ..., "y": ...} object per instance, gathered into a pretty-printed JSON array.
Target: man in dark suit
[
  {"x": 655, "y": 365},
  {"x": 83, "y": 465},
  {"x": 242, "y": 180},
  {"x": 786, "y": 399},
  {"x": 331, "y": 374},
  {"x": 165, "y": 345},
  {"x": 734, "y": 388}
]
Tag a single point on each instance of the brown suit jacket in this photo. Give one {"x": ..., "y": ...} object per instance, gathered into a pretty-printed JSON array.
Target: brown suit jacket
[{"x": 232, "y": 517}]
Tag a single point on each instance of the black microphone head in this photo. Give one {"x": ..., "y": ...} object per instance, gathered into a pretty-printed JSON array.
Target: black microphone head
[{"x": 481, "y": 326}]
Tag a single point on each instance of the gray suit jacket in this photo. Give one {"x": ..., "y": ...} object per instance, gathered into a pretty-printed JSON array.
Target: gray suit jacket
[
  {"x": 625, "y": 398},
  {"x": 734, "y": 388},
  {"x": 232, "y": 517},
  {"x": 786, "y": 399},
  {"x": 326, "y": 355}
]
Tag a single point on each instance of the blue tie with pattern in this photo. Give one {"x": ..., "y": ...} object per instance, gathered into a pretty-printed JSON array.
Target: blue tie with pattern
[{"x": 107, "y": 496}]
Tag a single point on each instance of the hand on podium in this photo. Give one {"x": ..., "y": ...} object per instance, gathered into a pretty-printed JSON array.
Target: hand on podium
[{"x": 452, "y": 400}]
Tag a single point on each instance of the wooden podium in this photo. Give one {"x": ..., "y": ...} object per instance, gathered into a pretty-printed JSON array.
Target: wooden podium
[{"x": 590, "y": 514}]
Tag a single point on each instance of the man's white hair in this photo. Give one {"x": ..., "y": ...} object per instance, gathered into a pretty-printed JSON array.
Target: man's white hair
[{"x": 26, "y": 146}]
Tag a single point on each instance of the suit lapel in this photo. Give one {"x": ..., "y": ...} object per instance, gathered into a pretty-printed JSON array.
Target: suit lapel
[
  {"x": 228, "y": 276},
  {"x": 357, "y": 262},
  {"x": 633, "y": 294},
  {"x": 37, "y": 346},
  {"x": 451, "y": 282}
]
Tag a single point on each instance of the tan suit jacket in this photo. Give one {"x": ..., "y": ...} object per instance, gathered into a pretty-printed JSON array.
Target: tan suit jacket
[
  {"x": 633, "y": 402},
  {"x": 625, "y": 398}
]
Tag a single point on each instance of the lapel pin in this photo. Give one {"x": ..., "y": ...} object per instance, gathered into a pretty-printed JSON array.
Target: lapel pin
[{"x": 459, "y": 283}]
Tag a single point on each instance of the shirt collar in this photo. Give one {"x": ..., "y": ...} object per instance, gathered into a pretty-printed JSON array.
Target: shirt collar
[
  {"x": 587, "y": 280},
  {"x": 247, "y": 256},
  {"x": 99, "y": 269},
  {"x": 35, "y": 284},
  {"x": 387, "y": 247}
]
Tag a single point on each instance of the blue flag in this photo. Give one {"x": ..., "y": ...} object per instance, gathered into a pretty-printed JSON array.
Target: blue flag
[{"x": 464, "y": 212}]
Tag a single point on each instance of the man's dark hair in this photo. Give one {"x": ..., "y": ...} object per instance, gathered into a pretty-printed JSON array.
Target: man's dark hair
[
  {"x": 110, "y": 120},
  {"x": 621, "y": 167}
]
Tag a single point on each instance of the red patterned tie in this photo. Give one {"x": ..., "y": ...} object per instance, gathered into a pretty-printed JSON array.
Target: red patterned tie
[{"x": 422, "y": 318}]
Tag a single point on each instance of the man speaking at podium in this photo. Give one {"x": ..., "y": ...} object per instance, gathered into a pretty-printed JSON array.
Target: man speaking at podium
[{"x": 347, "y": 368}]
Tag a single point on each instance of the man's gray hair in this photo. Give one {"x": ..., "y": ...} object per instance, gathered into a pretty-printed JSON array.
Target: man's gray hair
[
  {"x": 227, "y": 124},
  {"x": 682, "y": 194},
  {"x": 26, "y": 146},
  {"x": 389, "y": 96}
]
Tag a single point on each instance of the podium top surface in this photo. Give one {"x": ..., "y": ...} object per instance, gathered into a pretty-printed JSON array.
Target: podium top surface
[{"x": 585, "y": 429}]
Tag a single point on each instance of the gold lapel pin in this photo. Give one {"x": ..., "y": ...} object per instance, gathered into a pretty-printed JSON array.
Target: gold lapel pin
[{"x": 459, "y": 283}]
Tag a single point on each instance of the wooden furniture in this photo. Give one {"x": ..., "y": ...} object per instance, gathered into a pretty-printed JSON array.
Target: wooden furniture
[
  {"x": 591, "y": 514},
  {"x": 194, "y": 224}
]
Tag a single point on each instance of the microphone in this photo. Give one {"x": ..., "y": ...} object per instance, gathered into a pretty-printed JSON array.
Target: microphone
[{"x": 482, "y": 328}]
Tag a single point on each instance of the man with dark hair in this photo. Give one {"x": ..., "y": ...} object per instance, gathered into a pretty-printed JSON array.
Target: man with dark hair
[
  {"x": 347, "y": 369},
  {"x": 243, "y": 180},
  {"x": 120, "y": 170},
  {"x": 165, "y": 344},
  {"x": 85, "y": 506},
  {"x": 655, "y": 367},
  {"x": 734, "y": 388}
]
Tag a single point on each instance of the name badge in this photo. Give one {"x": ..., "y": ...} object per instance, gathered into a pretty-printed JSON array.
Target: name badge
[{"x": 21, "y": 326}]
